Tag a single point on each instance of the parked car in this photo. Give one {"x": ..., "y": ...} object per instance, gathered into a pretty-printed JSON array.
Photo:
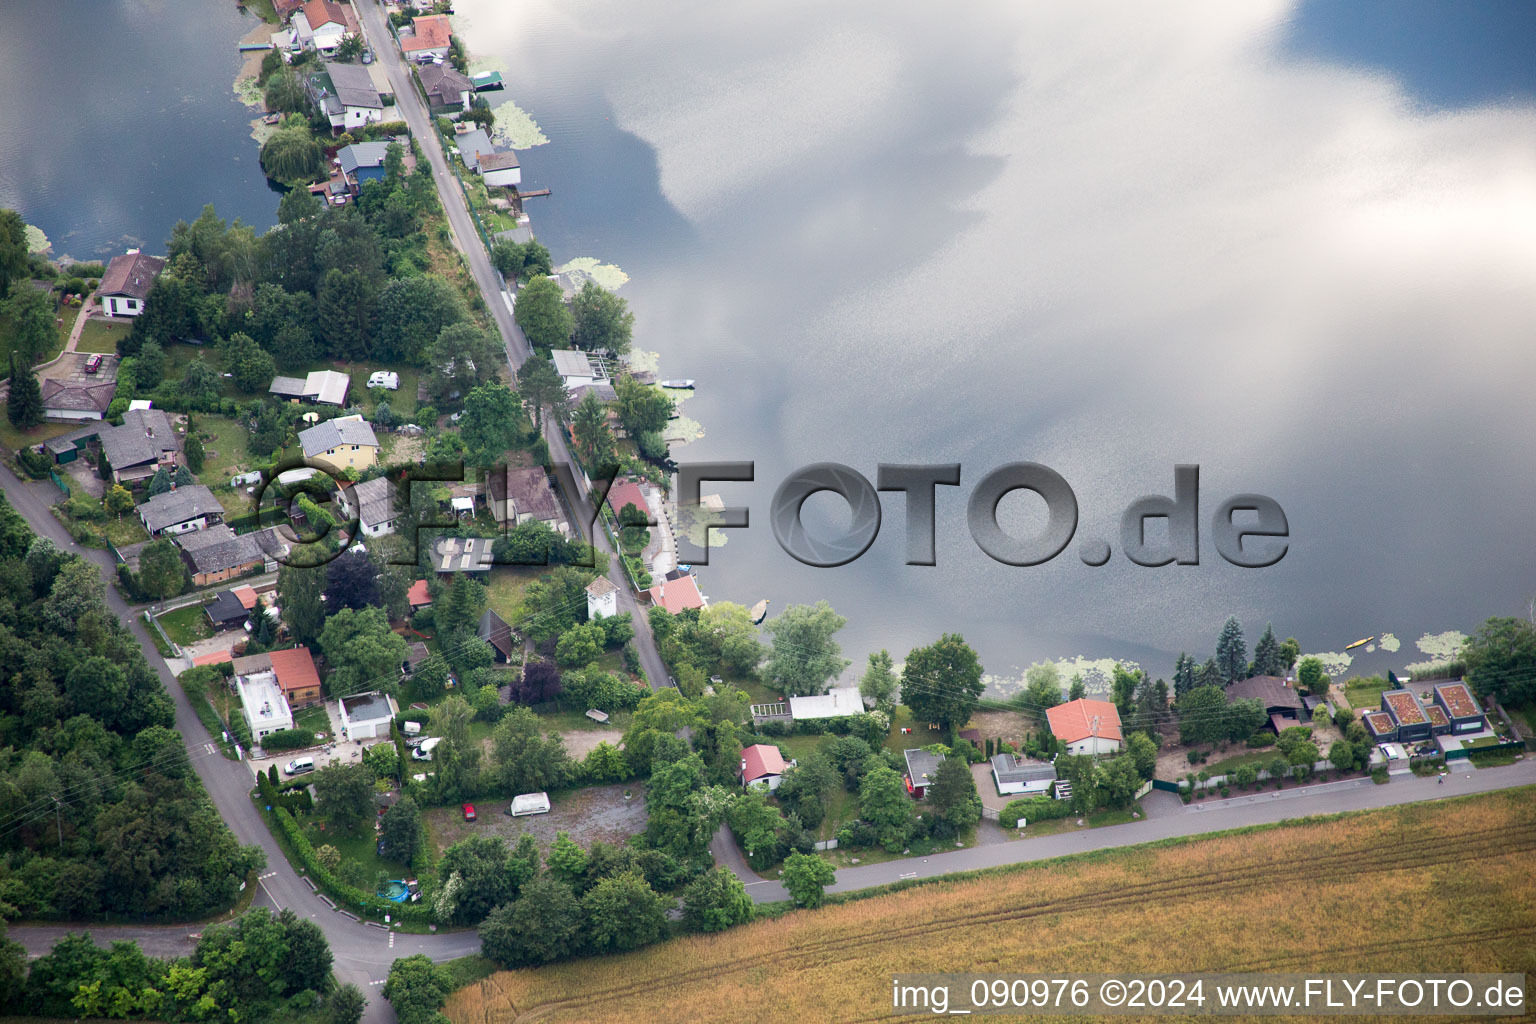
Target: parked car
[
  {"x": 469, "y": 812},
  {"x": 424, "y": 752},
  {"x": 386, "y": 379},
  {"x": 93, "y": 363},
  {"x": 300, "y": 766}
]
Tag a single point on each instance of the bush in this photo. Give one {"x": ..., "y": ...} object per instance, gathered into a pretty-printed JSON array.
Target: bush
[
  {"x": 1262, "y": 738},
  {"x": 1033, "y": 808},
  {"x": 1224, "y": 791},
  {"x": 1184, "y": 796},
  {"x": 1379, "y": 775},
  {"x": 287, "y": 739},
  {"x": 774, "y": 727}
]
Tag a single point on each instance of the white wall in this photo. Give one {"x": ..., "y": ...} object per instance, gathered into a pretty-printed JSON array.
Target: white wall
[
  {"x": 603, "y": 607},
  {"x": 1093, "y": 745},
  {"x": 505, "y": 177},
  {"x": 118, "y": 305}
]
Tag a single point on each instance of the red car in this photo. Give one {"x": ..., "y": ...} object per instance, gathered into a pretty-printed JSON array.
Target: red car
[
  {"x": 469, "y": 812},
  {"x": 93, "y": 363}
]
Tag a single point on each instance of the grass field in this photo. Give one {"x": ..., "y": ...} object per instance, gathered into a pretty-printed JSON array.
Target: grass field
[
  {"x": 1366, "y": 692},
  {"x": 1442, "y": 887},
  {"x": 187, "y": 625},
  {"x": 100, "y": 336}
]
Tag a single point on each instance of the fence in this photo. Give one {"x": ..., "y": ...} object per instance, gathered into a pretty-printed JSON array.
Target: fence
[
  {"x": 1166, "y": 787},
  {"x": 991, "y": 813},
  {"x": 1217, "y": 781},
  {"x": 170, "y": 644},
  {"x": 1465, "y": 752},
  {"x": 59, "y": 482},
  {"x": 830, "y": 844}
]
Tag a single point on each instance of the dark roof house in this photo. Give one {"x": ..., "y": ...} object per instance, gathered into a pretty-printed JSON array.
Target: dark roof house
[
  {"x": 494, "y": 630},
  {"x": 226, "y": 611},
  {"x": 444, "y": 86},
  {"x": 66, "y": 400},
  {"x": 130, "y": 275},
  {"x": 174, "y": 508},
  {"x": 922, "y": 767}
]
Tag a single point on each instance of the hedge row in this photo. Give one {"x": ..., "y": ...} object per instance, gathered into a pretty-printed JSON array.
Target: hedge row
[
  {"x": 287, "y": 739},
  {"x": 346, "y": 896},
  {"x": 1033, "y": 808}
]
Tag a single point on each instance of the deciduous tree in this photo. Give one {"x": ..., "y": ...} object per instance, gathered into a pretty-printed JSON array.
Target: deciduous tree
[
  {"x": 807, "y": 876},
  {"x": 942, "y": 682},
  {"x": 804, "y": 657}
]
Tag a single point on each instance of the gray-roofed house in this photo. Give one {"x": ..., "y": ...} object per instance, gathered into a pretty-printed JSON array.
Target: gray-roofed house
[
  {"x": 126, "y": 283},
  {"x": 347, "y": 95},
  {"x": 447, "y": 89},
  {"x": 1015, "y": 775},
  {"x": 226, "y": 611},
  {"x": 471, "y": 142},
  {"x": 500, "y": 168},
  {"x": 493, "y": 629},
  {"x": 574, "y": 367},
  {"x": 218, "y": 554},
  {"x": 461, "y": 554},
  {"x": 182, "y": 510},
  {"x": 142, "y": 444},
  {"x": 922, "y": 768},
  {"x": 342, "y": 443},
  {"x": 520, "y": 493},
  {"x": 1282, "y": 704},
  {"x": 65, "y": 401},
  {"x": 373, "y": 503},
  {"x": 366, "y": 715},
  {"x": 322, "y": 387},
  {"x": 362, "y": 161}
]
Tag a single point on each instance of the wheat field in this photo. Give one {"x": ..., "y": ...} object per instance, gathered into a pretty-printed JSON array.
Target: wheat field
[{"x": 1447, "y": 886}]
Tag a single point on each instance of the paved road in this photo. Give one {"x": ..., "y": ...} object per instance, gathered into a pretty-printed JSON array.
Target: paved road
[
  {"x": 1167, "y": 819},
  {"x": 492, "y": 286}
]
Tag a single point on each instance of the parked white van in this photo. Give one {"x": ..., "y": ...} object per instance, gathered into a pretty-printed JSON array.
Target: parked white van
[
  {"x": 300, "y": 766},
  {"x": 424, "y": 752}
]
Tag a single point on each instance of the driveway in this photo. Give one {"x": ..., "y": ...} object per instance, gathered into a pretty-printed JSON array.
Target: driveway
[{"x": 986, "y": 787}]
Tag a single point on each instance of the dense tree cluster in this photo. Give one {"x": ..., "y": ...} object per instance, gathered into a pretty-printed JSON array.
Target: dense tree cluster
[{"x": 102, "y": 812}]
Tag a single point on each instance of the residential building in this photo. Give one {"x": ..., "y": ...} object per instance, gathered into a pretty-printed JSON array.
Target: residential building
[
  {"x": 1086, "y": 726},
  {"x": 922, "y": 769},
  {"x": 427, "y": 37},
  {"x": 602, "y": 598},
  {"x": 65, "y": 401},
  {"x": 143, "y": 443},
  {"x": 217, "y": 554},
  {"x": 321, "y": 25},
  {"x": 762, "y": 765},
  {"x": 419, "y": 596},
  {"x": 1412, "y": 723},
  {"x": 227, "y": 611},
  {"x": 361, "y": 162},
  {"x": 500, "y": 169},
  {"x": 521, "y": 493},
  {"x": 346, "y": 94},
  {"x": 493, "y": 629},
  {"x": 677, "y": 595},
  {"x": 838, "y": 702},
  {"x": 462, "y": 554},
  {"x": 1460, "y": 707},
  {"x": 322, "y": 387},
  {"x": 1451, "y": 710},
  {"x": 367, "y": 715},
  {"x": 1017, "y": 776},
  {"x": 126, "y": 283},
  {"x": 347, "y": 442},
  {"x": 372, "y": 503},
  {"x": 1283, "y": 706},
  {"x": 416, "y": 653},
  {"x": 181, "y": 511},
  {"x": 262, "y": 704},
  {"x": 448, "y": 91},
  {"x": 575, "y": 367},
  {"x": 294, "y": 670}
]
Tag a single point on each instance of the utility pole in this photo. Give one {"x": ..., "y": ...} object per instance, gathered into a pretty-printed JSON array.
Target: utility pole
[{"x": 57, "y": 823}]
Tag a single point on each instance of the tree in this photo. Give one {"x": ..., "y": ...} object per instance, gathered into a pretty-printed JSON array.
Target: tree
[
  {"x": 715, "y": 901},
  {"x": 13, "y": 955},
  {"x": 1042, "y": 689},
  {"x": 285, "y": 93},
  {"x": 118, "y": 500},
  {"x": 292, "y": 156},
  {"x": 462, "y": 357},
  {"x": 412, "y": 313},
  {"x": 590, "y": 430},
  {"x": 942, "y": 682},
  {"x": 883, "y": 802},
  {"x": 401, "y": 830},
  {"x": 297, "y": 204},
  {"x": 1202, "y": 715},
  {"x": 806, "y": 876},
  {"x": 361, "y": 650},
  {"x": 526, "y": 760},
  {"x": 1290, "y": 650},
  {"x": 804, "y": 657},
  {"x": 299, "y": 591},
  {"x": 602, "y": 320},
  {"x": 542, "y": 314},
  {"x": 200, "y": 384},
  {"x": 1184, "y": 670},
  {"x": 346, "y": 312},
  {"x": 346, "y": 1005},
  {"x": 417, "y": 988},
  {"x": 1501, "y": 660},
  {"x": 1309, "y": 675},
  {"x": 490, "y": 425},
  {"x": 162, "y": 573},
  {"x": 642, "y": 409},
  {"x": 1122, "y": 687},
  {"x": 193, "y": 450},
  {"x": 351, "y": 581},
  {"x": 1143, "y": 753},
  {"x": 251, "y": 364},
  {"x": 623, "y": 912},
  {"x": 1267, "y": 656},
  {"x": 580, "y": 645},
  {"x": 25, "y": 405},
  {"x": 13, "y": 249},
  {"x": 31, "y": 312},
  {"x": 1341, "y": 754},
  {"x": 953, "y": 794},
  {"x": 1079, "y": 689},
  {"x": 878, "y": 684},
  {"x": 1231, "y": 651},
  {"x": 344, "y": 795},
  {"x": 541, "y": 925},
  {"x": 541, "y": 388}
]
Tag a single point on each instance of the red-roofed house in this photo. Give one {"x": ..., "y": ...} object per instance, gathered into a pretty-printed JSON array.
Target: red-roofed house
[
  {"x": 418, "y": 595},
  {"x": 627, "y": 492},
  {"x": 677, "y": 595},
  {"x": 295, "y": 671},
  {"x": 762, "y": 765},
  {"x": 1086, "y": 726},
  {"x": 429, "y": 37},
  {"x": 246, "y": 596},
  {"x": 326, "y": 22}
]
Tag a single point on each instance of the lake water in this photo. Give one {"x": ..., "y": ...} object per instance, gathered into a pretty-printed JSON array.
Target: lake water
[{"x": 1278, "y": 242}]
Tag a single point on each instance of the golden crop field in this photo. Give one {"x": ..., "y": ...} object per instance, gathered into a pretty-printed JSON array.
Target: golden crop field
[{"x": 1446, "y": 886}]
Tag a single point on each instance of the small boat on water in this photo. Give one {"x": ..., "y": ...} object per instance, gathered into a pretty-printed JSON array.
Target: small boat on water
[
  {"x": 1361, "y": 643},
  {"x": 759, "y": 612},
  {"x": 681, "y": 384}
]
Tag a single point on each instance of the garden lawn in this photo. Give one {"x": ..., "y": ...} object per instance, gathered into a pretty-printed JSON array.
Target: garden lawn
[
  {"x": 122, "y": 530},
  {"x": 100, "y": 336},
  {"x": 187, "y": 625},
  {"x": 504, "y": 589},
  {"x": 360, "y": 847},
  {"x": 224, "y": 449},
  {"x": 1365, "y": 693},
  {"x": 1227, "y": 764},
  {"x": 13, "y": 439}
]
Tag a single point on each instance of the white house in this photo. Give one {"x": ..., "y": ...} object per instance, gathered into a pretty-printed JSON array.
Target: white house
[
  {"x": 1013, "y": 775},
  {"x": 500, "y": 168},
  {"x": 347, "y": 95},
  {"x": 181, "y": 511},
  {"x": 602, "y": 598},
  {"x": 262, "y": 704},
  {"x": 762, "y": 765},
  {"x": 321, "y": 25},
  {"x": 1086, "y": 726},
  {"x": 835, "y": 703},
  {"x": 367, "y": 715},
  {"x": 373, "y": 503},
  {"x": 574, "y": 367},
  {"x": 127, "y": 281}
]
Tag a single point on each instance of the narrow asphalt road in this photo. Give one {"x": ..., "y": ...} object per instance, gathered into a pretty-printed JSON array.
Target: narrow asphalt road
[{"x": 492, "y": 287}]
